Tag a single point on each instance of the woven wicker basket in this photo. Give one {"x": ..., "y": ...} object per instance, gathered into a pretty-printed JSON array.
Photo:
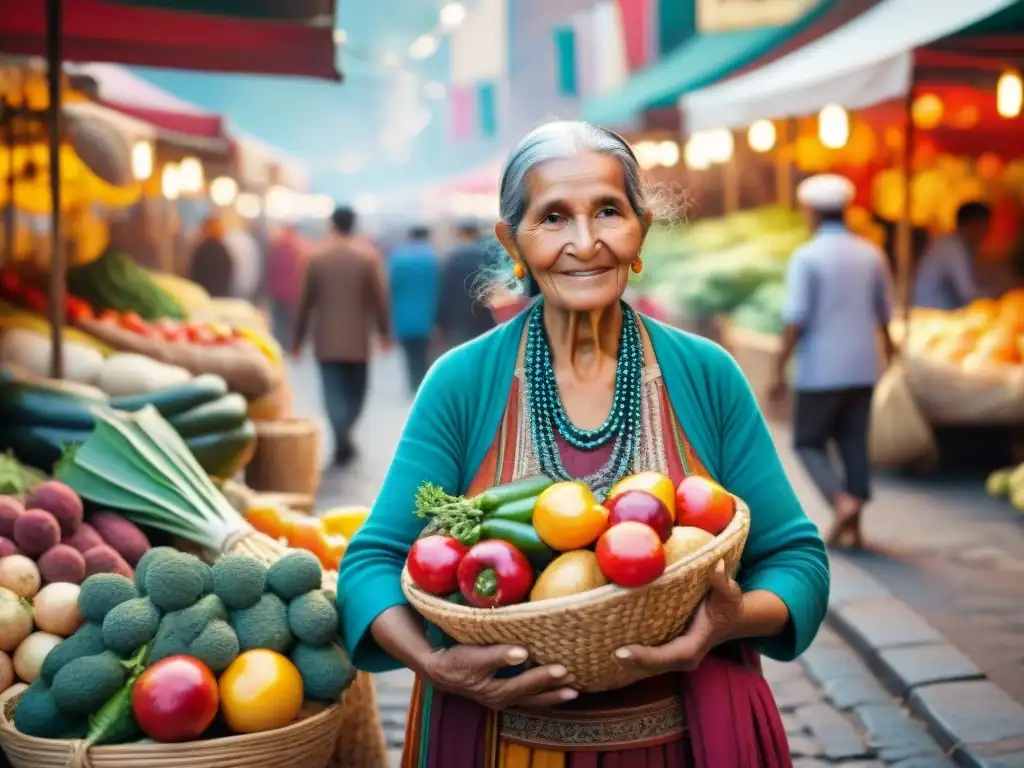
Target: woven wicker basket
[
  {"x": 309, "y": 743},
  {"x": 582, "y": 632},
  {"x": 287, "y": 458}
]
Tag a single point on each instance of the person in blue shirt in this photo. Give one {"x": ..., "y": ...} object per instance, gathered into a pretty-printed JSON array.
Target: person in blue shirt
[
  {"x": 839, "y": 301},
  {"x": 414, "y": 276},
  {"x": 945, "y": 276}
]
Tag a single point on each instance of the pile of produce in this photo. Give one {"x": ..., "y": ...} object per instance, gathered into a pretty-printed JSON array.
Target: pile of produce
[
  {"x": 762, "y": 311},
  {"x": 47, "y": 540},
  {"x": 16, "y": 479},
  {"x": 1008, "y": 484},
  {"x": 40, "y": 418},
  {"x": 326, "y": 536},
  {"x": 30, "y": 627},
  {"x": 987, "y": 334},
  {"x": 536, "y": 540},
  {"x": 116, "y": 281},
  {"x": 146, "y": 660}
]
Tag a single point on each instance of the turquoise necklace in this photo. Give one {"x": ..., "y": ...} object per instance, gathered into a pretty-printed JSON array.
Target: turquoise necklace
[{"x": 547, "y": 412}]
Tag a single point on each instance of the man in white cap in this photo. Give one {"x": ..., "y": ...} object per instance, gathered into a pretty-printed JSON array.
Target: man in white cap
[{"x": 839, "y": 298}]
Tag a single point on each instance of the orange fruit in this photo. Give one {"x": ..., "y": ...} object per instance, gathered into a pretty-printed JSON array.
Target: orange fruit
[
  {"x": 269, "y": 521},
  {"x": 654, "y": 483},
  {"x": 309, "y": 534},
  {"x": 260, "y": 691},
  {"x": 567, "y": 516}
]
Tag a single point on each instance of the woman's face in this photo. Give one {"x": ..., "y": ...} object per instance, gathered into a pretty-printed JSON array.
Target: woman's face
[{"x": 579, "y": 234}]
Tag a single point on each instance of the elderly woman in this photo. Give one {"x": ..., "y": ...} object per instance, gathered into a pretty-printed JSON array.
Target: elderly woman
[{"x": 581, "y": 386}]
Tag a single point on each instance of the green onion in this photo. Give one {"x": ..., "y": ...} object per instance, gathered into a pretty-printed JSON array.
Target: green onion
[{"x": 136, "y": 463}]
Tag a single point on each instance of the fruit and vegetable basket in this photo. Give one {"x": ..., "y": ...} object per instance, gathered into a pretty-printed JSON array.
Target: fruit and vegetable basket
[{"x": 546, "y": 566}]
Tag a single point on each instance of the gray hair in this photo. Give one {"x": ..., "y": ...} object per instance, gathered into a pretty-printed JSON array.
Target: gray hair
[{"x": 557, "y": 140}]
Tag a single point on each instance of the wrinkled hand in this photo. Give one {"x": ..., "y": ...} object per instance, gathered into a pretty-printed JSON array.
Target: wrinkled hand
[
  {"x": 714, "y": 622},
  {"x": 469, "y": 671}
]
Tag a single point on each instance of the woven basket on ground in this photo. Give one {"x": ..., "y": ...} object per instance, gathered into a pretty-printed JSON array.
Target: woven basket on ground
[
  {"x": 582, "y": 632},
  {"x": 287, "y": 458},
  {"x": 309, "y": 743}
]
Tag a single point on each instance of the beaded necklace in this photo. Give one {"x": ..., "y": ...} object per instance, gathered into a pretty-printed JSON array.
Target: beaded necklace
[{"x": 547, "y": 412}]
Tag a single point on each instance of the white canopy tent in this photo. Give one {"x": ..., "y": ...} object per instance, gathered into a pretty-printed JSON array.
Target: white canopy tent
[{"x": 863, "y": 63}]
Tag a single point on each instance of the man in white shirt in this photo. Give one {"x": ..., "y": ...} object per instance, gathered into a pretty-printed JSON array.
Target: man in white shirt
[
  {"x": 945, "y": 276},
  {"x": 839, "y": 298}
]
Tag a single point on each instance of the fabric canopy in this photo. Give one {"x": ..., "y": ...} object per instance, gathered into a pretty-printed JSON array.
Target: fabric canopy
[
  {"x": 865, "y": 62},
  {"x": 301, "y": 11},
  {"x": 103, "y": 31},
  {"x": 701, "y": 60}
]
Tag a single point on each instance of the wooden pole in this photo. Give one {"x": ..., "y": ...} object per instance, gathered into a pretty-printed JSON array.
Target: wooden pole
[
  {"x": 58, "y": 258},
  {"x": 905, "y": 228},
  {"x": 784, "y": 157},
  {"x": 731, "y": 184}
]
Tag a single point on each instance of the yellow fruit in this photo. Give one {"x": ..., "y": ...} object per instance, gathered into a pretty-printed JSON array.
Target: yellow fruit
[
  {"x": 684, "y": 541},
  {"x": 569, "y": 574},
  {"x": 260, "y": 691},
  {"x": 267, "y": 346},
  {"x": 344, "y": 521},
  {"x": 567, "y": 516},
  {"x": 659, "y": 486}
]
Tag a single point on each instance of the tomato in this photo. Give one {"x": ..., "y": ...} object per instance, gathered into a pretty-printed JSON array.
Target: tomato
[
  {"x": 642, "y": 507},
  {"x": 494, "y": 573},
  {"x": 201, "y": 335},
  {"x": 11, "y": 285},
  {"x": 110, "y": 316},
  {"x": 630, "y": 554},
  {"x": 703, "y": 503},
  {"x": 36, "y": 300},
  {"x": 433, "y": 563},
  {"x": 567, "y": 516},
  {"x": 653, "y": 483},
  {"x": 176, "y": 699},
  {"x": 77, "y": 309},
  {"x": 131, "y": 321},
  {"x": 260, "y": 691}
]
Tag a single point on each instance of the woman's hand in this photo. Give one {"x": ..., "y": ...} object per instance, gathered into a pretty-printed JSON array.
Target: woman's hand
[
  {"x": 469, "y": 671},
  {"x": 717, "y": 620}
]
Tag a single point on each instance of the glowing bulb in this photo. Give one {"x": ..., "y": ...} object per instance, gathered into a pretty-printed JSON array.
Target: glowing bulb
[
  {"x": 423, "y": 47},
  {"x": 248, "y": 205},
  {"x": 191, "y": 176},
  {"x": 223, "y": 190},
  {"x": 833, "y": 126},
  {"x": 452, "y": 15},
  {"x": 142, "y": 160},
  {"x": 668, "y": 152},
  {"x": 719, "y": 145},
  {"x": 695, "y": 153},
  {"x": 761, "y": 136},
  {"x": 1009, "y": 94},
  {"x": 926, "y": 111},
  {"x": 170, "y": 182}
]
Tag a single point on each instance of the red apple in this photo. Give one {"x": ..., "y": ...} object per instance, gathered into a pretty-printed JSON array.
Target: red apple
[
  {"x": 703, "y": 503},
  {"x": 641, "y": 507},
  {"x": 176, "y": 699}
]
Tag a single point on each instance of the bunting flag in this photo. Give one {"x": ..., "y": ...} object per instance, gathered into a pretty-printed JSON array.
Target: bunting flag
[
  {"x": 599, "y": 41},
  {"x": 479, "y": 64},
  {"x": 565, "y": 61},
  {"x": 462, "y": 105},
  {"x": 676, "y": 23},
  {"x": 638, "y": 22}
]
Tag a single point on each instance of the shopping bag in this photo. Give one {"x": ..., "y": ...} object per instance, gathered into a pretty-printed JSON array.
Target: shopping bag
[{"x": 900, "y": 435}]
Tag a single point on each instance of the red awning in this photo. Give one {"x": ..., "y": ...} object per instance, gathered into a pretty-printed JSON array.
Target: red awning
[{"x": 98, "y": 31}]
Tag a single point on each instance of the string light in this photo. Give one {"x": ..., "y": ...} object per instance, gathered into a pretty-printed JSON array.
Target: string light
[
  {"x": 761, "y": 135},
  {"x": 833, "y": 126},
  {"x": 1009, "y": 94},
  {"x": 142, "y": 160}
]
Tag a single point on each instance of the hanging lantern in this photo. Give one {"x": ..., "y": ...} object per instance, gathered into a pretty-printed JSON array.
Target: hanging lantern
[
  {"x": 966, "y": 118},
  {"x": 811, "y": 156},
  {"x": 1009, "y": 94},
  {"x": 926, "y": 111},
  {"x": 191, "y": 176},
  {"x": 862, "y": 146},
  {"x": 989, "y": 166},
  {"x": 142, "y": 160},
  {"x": 720, "y": 145},
  {"x": 223, "y": 191},
  {"x": 761, "y": 136},
  {"x": 695, "y": 153},
  {"x": 170, "y": 182},
  {"x": 833, "y": 126}
]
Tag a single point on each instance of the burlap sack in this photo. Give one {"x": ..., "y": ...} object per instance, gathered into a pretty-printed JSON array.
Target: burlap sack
[
  {"x": 900, "y": 435},
  {"x": 948, "y": 395}
]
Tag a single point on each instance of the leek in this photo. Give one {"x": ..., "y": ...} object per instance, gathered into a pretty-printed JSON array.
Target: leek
[{"x": 137, "y": 464}]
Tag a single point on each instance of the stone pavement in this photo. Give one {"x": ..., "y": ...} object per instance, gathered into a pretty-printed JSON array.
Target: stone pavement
[{"x": 956, "y": 559}]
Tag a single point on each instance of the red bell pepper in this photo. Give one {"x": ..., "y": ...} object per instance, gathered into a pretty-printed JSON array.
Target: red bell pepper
[
  {"x": 433, "y": 563},
  {"x": 494, "y": 573}
]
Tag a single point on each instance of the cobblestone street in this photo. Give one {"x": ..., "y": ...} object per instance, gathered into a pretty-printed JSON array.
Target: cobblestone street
[{"x": 956, "y": 559}]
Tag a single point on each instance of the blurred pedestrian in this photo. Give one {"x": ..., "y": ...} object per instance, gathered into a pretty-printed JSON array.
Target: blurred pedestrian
[
  {"x": 285, "y": 271},
  {"x": 413, "y": 277},
  {"x": 839, "y": 298},
  {"x": 945, "y": 277},
  {"x": 212, "y": 266},
  {"x": 344, "y": 289},
  {"x": 461, "y": 316}
]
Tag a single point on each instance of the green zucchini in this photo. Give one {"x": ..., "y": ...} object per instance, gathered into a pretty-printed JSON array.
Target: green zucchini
[
  {"x": 39, "y": 446},
  {"x": 521, "y": 510},
  {"x": 32, "y": 405},
  {"x": 527, "y": 488},
  {"x": 223, "y": 454},
  {"x": 175, "y": 400},
  {"x": 220, "y": 415},
  {"x": 522, "y": 536}
]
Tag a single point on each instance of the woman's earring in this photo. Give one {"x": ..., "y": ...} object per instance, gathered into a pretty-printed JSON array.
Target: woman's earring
[
  {"x": 637, "y": 266},
  {"x": 519, "y": 271}
]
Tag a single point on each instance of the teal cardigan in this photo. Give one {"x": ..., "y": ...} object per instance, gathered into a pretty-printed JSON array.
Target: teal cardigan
[{"x": 452, "y": 425}]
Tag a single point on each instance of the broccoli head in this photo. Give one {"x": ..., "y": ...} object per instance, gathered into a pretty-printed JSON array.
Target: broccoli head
[
  {"x": 38, "y": 715},
  {"x": 101, "y": 593},
  {"x": 295, "y": 574},
  {"x": 147, "y": 559},
  {"x": 264, "y": 625},
  {"x": 174, "y": 581},
  {"x": 207, "y": 578},
  {"x": 326, "y": 671},
  {"x": 82, "y": 686},
  {"x": 312, "y": 618},
  {"x": 178, "y": 629},
  {"x": 216, "y": 646},
  {"x": 131, "y": 624},
  {"x": 87, "y": 641},
  {"x": 239, "y": 580}
]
